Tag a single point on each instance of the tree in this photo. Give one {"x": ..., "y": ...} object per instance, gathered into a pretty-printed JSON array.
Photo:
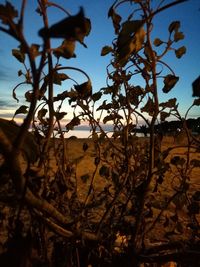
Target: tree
[{"x": 143, "y": 193}]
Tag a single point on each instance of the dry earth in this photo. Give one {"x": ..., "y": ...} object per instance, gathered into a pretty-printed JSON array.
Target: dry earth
[{"x": 84, "y": 164}]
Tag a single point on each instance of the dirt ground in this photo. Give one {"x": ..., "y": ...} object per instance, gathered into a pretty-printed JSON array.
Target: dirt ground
[{"x": 83, "y": 162}]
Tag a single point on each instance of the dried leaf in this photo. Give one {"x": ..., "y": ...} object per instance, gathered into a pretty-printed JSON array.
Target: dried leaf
[
  {"x": 60, "y": 115},
  {"x": 106, "y": 50},
  {"x": 84, "y": 90},
  {"x": 66, "y": 50},
  {"x": 157, "y": 42},
  {"x": 171, "y": 103},
  {"x": 7, "y": 12},
  {"x": 178, "y": 36},
  {"x": 196, "y": 87},
  {"x": 180, "y": 51},
  {"x": 149, "y": 107},
  {"x": 116, "y": 19},
  {"x": 169, "y": 82},
  {"x": 74, "y": 122},
  {"x": 21, "y": 110},
  {"x": 20, "y": 56},
  {"x": 174, "y": 26}
]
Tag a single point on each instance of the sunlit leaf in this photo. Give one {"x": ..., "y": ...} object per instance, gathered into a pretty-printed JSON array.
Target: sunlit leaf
[
  {"x": 35, "y": 50},
  {"x": 59, "y": 77},
  {"x": 174, "y": 26},
  {"x": 157, "y": 42},
  {"x": 169, "y": 82},
  {"x": 66, "y": 50},
  {"x": 105, "y": 50},
  {"x": 20, "y": 56},
  {"x": 178, "y": 36},
  {"x": 180, "y": 51}
]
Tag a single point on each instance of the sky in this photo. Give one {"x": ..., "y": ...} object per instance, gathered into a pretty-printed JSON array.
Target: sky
[{"x": 102, "y": 33}]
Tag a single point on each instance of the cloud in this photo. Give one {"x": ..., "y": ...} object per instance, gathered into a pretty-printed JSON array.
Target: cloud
[
  {"x": 4, "y": 75},
  {"x": 7, "y": 73},
  {"x": 7, "y": 104}
]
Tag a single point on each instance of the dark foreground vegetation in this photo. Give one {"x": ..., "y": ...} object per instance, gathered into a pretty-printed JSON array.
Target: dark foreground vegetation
[{"x": 120, "y": 201}]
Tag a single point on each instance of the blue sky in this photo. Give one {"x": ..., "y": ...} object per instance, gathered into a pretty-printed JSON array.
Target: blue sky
[{"x": 188, "y": 67}]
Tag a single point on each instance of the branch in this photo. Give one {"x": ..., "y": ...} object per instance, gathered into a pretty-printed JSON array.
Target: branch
[{"x": 178, "y": 251}]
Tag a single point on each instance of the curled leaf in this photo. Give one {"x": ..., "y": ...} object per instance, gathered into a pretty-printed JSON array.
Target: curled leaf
[
  {"x": 58, "y": 78},
  {"x": 174, "y": 26},
  {"x": 196, "y": 102},
  {"x": 29, "y": 96},
  {"x": 130, "y": 40},
  {"x": 116, "y": 19},
  {"x": 21, "y": 110},
  {"x": 41, "y": 114},
  {"x": 71, "y": 28}
]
